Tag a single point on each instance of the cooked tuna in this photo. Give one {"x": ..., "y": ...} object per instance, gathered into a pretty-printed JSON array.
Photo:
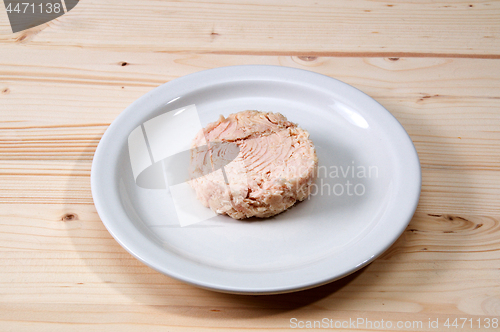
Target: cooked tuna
[{"x": 260, "y": 164}]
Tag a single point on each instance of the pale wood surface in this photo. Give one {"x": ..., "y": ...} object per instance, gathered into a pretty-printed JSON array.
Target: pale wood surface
[
  {"x": 443, "y": 27},
  {"x": 435, "y": 65}
]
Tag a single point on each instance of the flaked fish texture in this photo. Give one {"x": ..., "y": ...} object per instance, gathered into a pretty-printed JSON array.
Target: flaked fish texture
[{"x": 252, "y": 164}]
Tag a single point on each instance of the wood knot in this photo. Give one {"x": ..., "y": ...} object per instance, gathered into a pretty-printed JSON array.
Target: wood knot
[
  {"x": 123, "y": 63},
  {"x": 213, "y": 35},
  {"x": 69, "y": 217},
  {"x": 307, "y": 58},
  {"x": 21, "y": 38},
  {"x": 393, "y": 59},
  {"x": 215, "y": 310},
  {"x": 6, "y": 91},
  {"x": 426, "y": 96}
]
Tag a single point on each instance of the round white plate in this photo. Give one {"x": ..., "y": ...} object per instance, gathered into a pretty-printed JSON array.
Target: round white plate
[{"x": 367, "y": 191}]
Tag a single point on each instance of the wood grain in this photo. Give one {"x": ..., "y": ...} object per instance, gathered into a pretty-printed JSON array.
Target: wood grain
[
  {"x": 57, "y": 255},
  {"x": 448, "y": 106},
  {"x": 434, "y": 65},
  {"x": 274, "y": 27},
  {"x": 443, "y": 266}
]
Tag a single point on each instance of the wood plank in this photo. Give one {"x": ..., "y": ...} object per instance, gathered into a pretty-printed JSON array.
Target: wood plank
[
  {"x": 444, "y": 190},
  {"x": 71, "y": 270},
  {"x": 273, "y": 27},
  {"x": 68, "y": 70},
  {"x": 60, "y": 266},
  {"x": 448, "y": 106}
]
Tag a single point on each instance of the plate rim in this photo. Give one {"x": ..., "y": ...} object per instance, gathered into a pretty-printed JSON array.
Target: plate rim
[{"x": 222, "y": 73}]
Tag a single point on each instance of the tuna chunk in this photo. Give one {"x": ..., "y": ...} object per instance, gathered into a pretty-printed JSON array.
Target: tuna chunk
[{"x": 260, "y": 164}]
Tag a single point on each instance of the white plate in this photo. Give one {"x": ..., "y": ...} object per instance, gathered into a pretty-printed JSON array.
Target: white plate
[{"x": 322, "y": 239}]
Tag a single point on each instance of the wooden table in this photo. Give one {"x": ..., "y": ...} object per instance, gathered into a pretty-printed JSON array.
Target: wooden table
[{"x": 435, "y": 65}]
